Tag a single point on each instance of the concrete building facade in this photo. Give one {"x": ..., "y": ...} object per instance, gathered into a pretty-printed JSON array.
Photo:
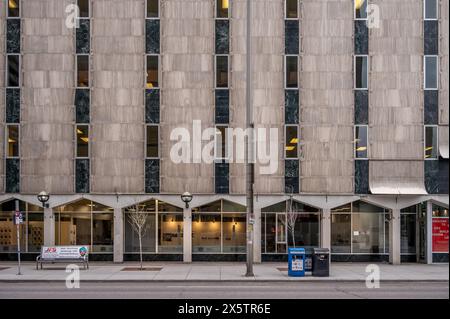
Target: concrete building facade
[{"x": 94, "y": 92}]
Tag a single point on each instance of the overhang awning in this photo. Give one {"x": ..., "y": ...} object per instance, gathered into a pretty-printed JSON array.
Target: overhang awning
[
  {"x": 397, "y": 178},
  {"x": 443, "y": 141}
]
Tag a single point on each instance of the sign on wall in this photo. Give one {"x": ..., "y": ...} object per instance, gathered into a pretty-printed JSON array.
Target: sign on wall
[
  {"x": 61, "y": 252},
  {"x": 440, "y": 235}
]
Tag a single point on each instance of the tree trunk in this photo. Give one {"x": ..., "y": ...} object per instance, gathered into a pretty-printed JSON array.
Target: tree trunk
[{"x": 140, "y": 246}]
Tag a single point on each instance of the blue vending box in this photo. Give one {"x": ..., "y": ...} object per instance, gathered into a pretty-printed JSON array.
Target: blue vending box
[{"x": 296, "y": 262}]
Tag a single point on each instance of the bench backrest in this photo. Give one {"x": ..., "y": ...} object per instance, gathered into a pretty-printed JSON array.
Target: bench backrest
[{"x": 64, "y": 252}]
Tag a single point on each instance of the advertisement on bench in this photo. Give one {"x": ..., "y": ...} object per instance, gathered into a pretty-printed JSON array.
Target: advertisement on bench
[{"x": 64, "y": 252}]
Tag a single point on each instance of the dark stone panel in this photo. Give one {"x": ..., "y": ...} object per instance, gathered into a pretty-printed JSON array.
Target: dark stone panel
[
  {"x": 431, "y": 107},
  {"x": 362, "y": 177},
  {"x": 13, "y": 36},
  {"x": 408, "y": 258},
  {"x": 361, "y": 37},
  {"x": 12, "y": 175},
  {"x": 431, "y": 37},
  {"x": 222, "y": 178},
  {"x": 82, "y": 106},
  {"x": 222, "y": 36},
  {"x": 436, "y": 176},
  {"x": 13, "y": 257},
  {"x": 361, "y": 107},
  {"x": 152, "y": 176},
  {"x": 360, "y": 258},
  {"x": 12, "y": 106},
  {"x": 83, "y": 37},
  {"x": 222, "y": 106},
  {"x": 274, "y": 258},
  {"x": 291, "y": 110},
  {"x": 153, "y": 257},
  {"x": 82, "y": 176},
  {"x": 291, "y": 39},
  {"x": 291, "y": 176},
  {"x": 218, "y": 257},
  {"x": 152, "y": 36},
  {"x": 101, "y": 257},
  {"x": 440, "y": 257},
  {"x": 152, "y": 106}
]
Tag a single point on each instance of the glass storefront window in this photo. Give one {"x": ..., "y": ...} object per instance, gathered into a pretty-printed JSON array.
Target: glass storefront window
[
  {"x": 306, "y": 230},
  {"x": 31, "y": 231},
  {"x": 102, "y": 232},
  {"x": 368, "y": 233},
  {"x": 270, "y": 232},
  {"x": 148, "y": 238},
  {"x": 73, "y": 229},
  {"x": 170, "y": 233},
  {"x": 234, "y": 233},
  {"x": 206, "y": 233},
  {"x": 341, "y": 227},
  {"x": 408, "y": 233}
]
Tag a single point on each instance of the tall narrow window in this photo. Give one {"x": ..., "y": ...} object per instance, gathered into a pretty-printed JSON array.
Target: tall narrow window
[
  {"x": 222, "y": 8},
  {"x": 152, "y": 150},
  {"x": 83, "y": 5},
  {"x": 361, "y": 72},
  {"x": 13, "y": 70},
  {"x": 361, "y": 151},
  {"x": 222, "y": 71},
  {"x": 13, "y": 8},
  {"x": 431, "y": 72},
  {"x": 221, "y": 142},
  {"x": 431, "y": 142},
  {"x": 152, "y": 71},
  {"x": 291, "y": 141},
  {"x": 430, "y": 9},
  {"x": 361, "y": 9},
  {"x": 152, "y": 8},
  {"x": 82, "y": 70},
  {"x": 82, "y": 132},
  {"x": 291, "y": 9},
  {"x": 12, "y": 132},
  {"x": 291, "y": 72}
]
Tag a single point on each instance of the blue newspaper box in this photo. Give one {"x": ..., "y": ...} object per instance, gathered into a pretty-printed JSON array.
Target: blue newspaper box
[{"x": 296, "y": 262}]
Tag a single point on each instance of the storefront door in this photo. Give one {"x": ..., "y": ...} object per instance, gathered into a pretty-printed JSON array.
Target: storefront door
[{"x": 421, "y": 236}]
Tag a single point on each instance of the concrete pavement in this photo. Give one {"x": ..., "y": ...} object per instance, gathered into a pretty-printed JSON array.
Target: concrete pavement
[{"x": 264, "y": 272}]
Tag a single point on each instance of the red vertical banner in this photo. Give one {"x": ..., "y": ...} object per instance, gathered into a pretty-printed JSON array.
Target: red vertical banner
[{"x": 440, "y": 235}]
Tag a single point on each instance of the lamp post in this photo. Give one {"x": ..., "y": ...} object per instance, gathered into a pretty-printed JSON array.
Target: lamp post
[
  {"x": 186, "y": 197},
  {"x": 43, "y": 197}
]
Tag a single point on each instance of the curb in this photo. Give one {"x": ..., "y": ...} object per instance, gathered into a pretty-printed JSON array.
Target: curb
[{"x": 225, "y": 281}]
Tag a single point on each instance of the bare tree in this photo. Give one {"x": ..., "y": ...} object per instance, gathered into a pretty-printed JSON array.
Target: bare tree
[
  {"x": 137, "y": 219},
  {"x": 291, "y": 218}
]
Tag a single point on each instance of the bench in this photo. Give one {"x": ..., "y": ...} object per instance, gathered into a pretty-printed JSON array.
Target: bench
[{"x": 63, "y": 254}]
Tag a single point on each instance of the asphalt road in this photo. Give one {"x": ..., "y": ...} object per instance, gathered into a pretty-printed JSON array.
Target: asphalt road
[{"x": 225, "y": 290}]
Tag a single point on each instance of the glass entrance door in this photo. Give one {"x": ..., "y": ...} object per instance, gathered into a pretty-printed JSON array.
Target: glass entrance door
[
  {"x": 421, "y": 235},
  {"x": 281, "y": 233}
]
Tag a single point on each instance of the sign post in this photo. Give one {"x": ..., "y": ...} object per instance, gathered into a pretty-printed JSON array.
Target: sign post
[{"x": 18, "y": 219}]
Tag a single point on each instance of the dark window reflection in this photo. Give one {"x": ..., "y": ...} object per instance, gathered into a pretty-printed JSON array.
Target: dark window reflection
[
  {"x": 152, "y": 8},
  {"x": 13, "y": 70},
  {"x": 152, "y": 71},
  {"x": 83, "y": 5},
  {"x": 291, "y": 146},
  {"x": 291, "y": 71},
  {"x": 431, "y": 150},
  {"x": 222, "y": 7},
  {"x": 82, "y": 70},
  {"x": 361, "y": 141},
  {"x": 431, "y": 9},
  {"x": 152, "y": 141},
  {"x": 13, "y": 8},
  {"x": 361, "y": 70},
  {"x": 431, "y": 69},
  {"x": 360, "y": 9},
  {"x": 291, "y": 9},
  {"x": 82, "y": 141}
]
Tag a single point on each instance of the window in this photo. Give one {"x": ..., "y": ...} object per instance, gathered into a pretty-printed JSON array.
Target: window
[
  {"x": 222, "y": 8},
  {"x": 361, "y": 141},
  {"x": 291, "y": 71},
  {"x": 152, "y": 71},
  {"x": 82, "y": 70},
  {"x": 361, "y": 71},
  {"x": 221, "y": 71},
  {"x": 341, "y": 233},
  {"x": 361, "y": 9},
  {"x": 291, "y": 7},
  {"x": 430, "y": 9},
  {"x": 291, "y": 141},
  {"x": 13, "y": 8},
  {"x": 152, "y": 8},
  {"x": 431, "y": 142},
  {"x": 220, "y": 150},
  {"x": 170, "y": 232},
  {"x": 431, "y": 72},
  {"x": 82, "y": 132},
  {"x": 13, "y": 71},
  {"x": 83, "y": 5},
  {"x": 13, "y": 141},
  {"x": 152, "y": 141}
]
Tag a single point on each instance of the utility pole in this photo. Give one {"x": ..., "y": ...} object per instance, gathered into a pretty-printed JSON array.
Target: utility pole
[
  {"x": 249, "y": 154},
  {"x": 17, "y": 220}
]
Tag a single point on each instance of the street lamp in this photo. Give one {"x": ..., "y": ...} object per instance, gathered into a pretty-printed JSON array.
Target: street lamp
[
  {"x": 43, "y": 197},
  {"x": 186, "y": 197}
]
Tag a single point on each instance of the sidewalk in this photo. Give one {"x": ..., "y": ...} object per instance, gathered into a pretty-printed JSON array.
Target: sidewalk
[{"x": 199, "y": 271}]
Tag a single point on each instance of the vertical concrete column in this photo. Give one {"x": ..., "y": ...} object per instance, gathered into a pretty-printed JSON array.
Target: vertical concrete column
[
  {"x": 187, "y": 235},
  {"x": 325, "y": 233},
  {"x": 429, "y": 232},
  {"x": 257, "y": 236},
  {"x": 394, "y": 238},
  {"x": 49, "y": 227},
  {"x": 118, "y": 235}
]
